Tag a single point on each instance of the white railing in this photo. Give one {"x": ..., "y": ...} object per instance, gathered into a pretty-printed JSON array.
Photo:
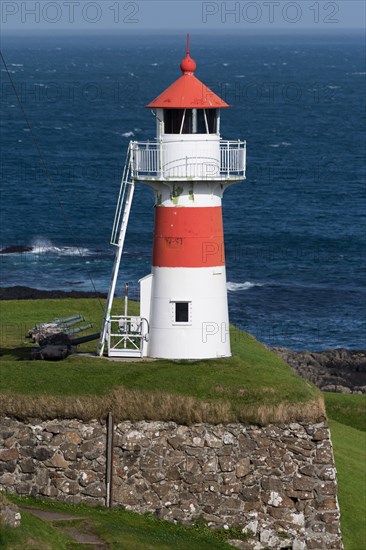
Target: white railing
[
  {"x": 145, "y": 157},
  {"x": 233, "y": 158},
  {"x": 155, "y": 161},
  {"x": 126, "y": 335}
]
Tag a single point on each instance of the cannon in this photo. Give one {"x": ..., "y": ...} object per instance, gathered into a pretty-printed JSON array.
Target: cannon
[
  {"x": 56, "y": 347},
  {"x": 42, "y": 331}
]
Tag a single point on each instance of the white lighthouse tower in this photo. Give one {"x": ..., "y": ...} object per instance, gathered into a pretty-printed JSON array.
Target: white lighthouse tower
[{"x": 183, "y": 302}]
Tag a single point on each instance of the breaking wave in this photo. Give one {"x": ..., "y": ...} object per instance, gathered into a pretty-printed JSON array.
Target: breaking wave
[
  {"x": 282, "y": 144},
  {"x": 233, "y": 287},
  {"x": 44, "y": 246}
]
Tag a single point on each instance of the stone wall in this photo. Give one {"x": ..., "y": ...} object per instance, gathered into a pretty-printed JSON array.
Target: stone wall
[{"x": 277, "y": 482}]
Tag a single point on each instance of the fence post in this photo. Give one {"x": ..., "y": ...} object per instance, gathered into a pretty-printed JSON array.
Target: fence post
[
  {"x": 227, "y": 160},
  {"x": 109, "y": 472}
]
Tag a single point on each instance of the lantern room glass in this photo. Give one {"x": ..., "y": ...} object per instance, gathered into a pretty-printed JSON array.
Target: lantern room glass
[{"x": 191, "y": 121}]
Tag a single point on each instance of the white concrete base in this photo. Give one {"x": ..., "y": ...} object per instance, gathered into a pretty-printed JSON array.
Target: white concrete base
[{"x": 206, "y": 334}]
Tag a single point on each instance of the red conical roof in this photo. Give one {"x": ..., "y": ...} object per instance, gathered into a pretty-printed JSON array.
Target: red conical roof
[{"x": 188, "y": 92}]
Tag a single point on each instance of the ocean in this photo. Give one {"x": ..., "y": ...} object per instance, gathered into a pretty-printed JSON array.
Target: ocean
[{"x": 294, "y": 230}]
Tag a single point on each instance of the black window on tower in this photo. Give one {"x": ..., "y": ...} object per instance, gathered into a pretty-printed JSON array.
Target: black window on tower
[{"x": 181, "y": 312}]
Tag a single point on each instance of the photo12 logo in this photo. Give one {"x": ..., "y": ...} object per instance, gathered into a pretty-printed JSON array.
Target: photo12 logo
[
  {"x": 70, "y": 12},
  {"x": 210, "y": 329},
  {"x": 267, "y": 11},
  {"x": 116, "y": 91}
]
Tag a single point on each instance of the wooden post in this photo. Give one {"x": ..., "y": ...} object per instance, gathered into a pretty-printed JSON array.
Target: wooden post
[{"x": 109, "y": 471}]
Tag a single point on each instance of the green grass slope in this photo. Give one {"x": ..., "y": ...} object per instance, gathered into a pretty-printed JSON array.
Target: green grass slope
[
  {"x": 347, "y": 409},
  {"x": 347, "y": 425},
  {"x": 253, "y": 385}
]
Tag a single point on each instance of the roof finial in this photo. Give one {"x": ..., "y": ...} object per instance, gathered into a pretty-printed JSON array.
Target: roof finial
[{"x": 188, "y": 65}]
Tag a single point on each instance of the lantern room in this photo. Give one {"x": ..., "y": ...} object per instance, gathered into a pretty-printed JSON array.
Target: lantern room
[
  {"x": 188, "y": 142},
  {"x": 188, "y": 107}
]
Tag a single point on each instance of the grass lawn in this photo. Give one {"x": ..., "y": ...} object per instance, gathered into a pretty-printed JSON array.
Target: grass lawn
[
  {"x": 254, "y": 377},
  {"x": 116, "y": 528},
  {"x": 348, "y": 409},
  {"x": 347, "y": 425}
]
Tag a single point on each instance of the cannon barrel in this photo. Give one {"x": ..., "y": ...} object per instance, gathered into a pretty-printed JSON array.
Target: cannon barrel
[
  {"x": 71, "y": 318},
  {"x": 62, "y": 321},
  {"x": 83, "y": 339},
  {"x": 78, "y": 329},
  {"x": 72, "y": 322}
]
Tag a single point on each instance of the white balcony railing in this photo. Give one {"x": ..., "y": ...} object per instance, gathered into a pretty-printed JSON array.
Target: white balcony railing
[{"x": 223, "y": 160}]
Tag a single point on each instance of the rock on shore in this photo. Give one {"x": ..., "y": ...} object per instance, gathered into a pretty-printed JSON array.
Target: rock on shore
[{"x": 335, "y": 370}]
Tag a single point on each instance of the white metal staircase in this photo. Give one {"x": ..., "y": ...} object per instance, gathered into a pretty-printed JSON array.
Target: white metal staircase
[{"x": 117, "y": 239}]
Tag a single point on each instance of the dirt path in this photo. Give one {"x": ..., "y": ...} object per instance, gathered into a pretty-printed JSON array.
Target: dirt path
[{"x": 50, "y": 516}]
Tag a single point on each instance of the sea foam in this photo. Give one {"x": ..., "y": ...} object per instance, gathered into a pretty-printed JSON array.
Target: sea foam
[{"x": 233, "y": 287}]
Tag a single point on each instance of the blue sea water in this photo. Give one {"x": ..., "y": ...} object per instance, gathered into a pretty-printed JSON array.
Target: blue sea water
[{"x": 294, "y": 230}]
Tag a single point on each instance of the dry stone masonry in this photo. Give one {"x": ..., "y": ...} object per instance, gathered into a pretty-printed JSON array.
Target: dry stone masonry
[{"x": 277, "y": 483}]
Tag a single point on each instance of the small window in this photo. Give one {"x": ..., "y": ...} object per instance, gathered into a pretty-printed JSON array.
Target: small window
[
  {"x": 178, "y": 121},
  {"x": 181, "y": 312},
  {"x": 173, "y": 120},
  {"x": 204, "y": 121},
  {"x": 201, "y": 125},
  {"x": 211, "y": 120},
  {"x": 187, "y": 124}
]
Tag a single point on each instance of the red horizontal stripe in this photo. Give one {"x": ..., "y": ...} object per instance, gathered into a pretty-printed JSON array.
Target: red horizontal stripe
[{"x": 188, "y": 237}]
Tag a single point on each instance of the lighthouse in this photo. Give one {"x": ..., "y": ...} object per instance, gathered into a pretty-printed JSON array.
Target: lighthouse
[{"x": 183, "y": 301}]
